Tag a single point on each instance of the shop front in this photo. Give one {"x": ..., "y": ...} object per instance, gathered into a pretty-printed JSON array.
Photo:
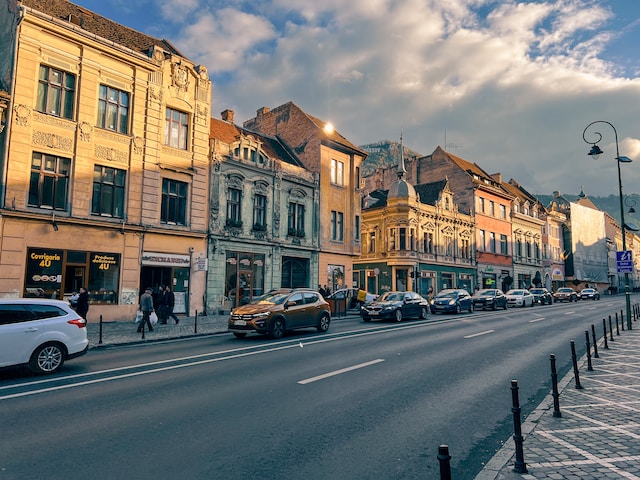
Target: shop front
[{"x": 167, "y": 269}]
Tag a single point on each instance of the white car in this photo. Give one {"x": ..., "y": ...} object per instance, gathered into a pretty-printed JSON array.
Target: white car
[
  {"x": 519, "y": 297},
  {"x": 40, "y": 333}
]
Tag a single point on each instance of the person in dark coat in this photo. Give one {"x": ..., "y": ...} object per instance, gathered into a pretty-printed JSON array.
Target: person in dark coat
[
  {"x": 146, "y": 307},
  {"x": 169, "y": 303},
  {"x": 82, "y": 305}
]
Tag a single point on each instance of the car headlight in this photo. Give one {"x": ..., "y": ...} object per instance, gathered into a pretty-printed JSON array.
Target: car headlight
[
  {"x": 452, "y": 302},
  {"x": 258, "y": 316}
]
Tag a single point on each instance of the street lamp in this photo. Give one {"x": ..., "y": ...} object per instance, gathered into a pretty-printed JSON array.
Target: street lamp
[{"x": 595, "y": 152}]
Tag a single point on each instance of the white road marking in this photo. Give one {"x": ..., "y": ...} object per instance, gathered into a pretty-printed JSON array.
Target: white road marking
[
  {"x": 478, "y": 334},
  {"x": 339, "y": 372},
  {"x": 536, "y": 320}
]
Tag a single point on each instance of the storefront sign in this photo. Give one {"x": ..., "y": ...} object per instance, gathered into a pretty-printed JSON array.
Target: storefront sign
[
  {"x": 44, "y": 272},
  {"x": 165, "y": 260}
]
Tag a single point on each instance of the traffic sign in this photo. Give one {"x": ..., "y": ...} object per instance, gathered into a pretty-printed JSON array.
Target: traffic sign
[{"x": 624, "y": 262}]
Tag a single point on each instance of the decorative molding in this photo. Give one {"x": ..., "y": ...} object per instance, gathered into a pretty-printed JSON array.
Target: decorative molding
[
  {"x": 113, "y": 137},
  {"x": 137, "y": 143},
  {"x": 85, "y": 129},
  {"x": 176, "y": 152},
  {"x": 180, "y": 77},
  {"x": 110, "y": 154},
  {"x": 23, "y": 113},
  {"x": 54, "y": 121},
  {"x": 52, "y": 141}
]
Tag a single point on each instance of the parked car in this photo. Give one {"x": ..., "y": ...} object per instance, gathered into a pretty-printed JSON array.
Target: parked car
[
  {"x": 396, "y": 306},
  {"x": 452, "y": 300},
  {"x": 40, "y": 333},
  {"x": 351, "y": 296},
  {"x": 492, "y": 298},
  {"x": 565, "y": 294},
  {"x": 280, "y": 310},
  {"x": 541, "y": 296},
  {"x": 519, "y": 297},
  {"x": 589, "y": 294}
]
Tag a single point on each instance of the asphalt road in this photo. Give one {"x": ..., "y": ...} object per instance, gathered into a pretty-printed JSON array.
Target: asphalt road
[{"x": 360, "y": 402}]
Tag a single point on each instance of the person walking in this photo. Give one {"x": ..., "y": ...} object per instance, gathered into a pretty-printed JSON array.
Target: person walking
[
  {"x": 146, "y": 307},
  {"x": 82, "y": 304},
  {"x": 162, "y": 306},
  {"x": 169, "y": 303}
]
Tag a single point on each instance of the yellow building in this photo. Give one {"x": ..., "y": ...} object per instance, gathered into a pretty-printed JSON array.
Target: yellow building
[{"x": 104, "y": 165}]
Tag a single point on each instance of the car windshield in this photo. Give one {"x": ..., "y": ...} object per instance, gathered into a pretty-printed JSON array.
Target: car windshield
[
  {"x": 448, "y": 294},
  {"x": 565, "y": 290},
  {"x": 275, "y": 298},
  {"x": 588, "y": 290},
  {"x": 392, "y": 297},
  {"x": 515, "y": 292},
  {"x": 488, "y": 292},
  {"x": 537, "y": 290}
]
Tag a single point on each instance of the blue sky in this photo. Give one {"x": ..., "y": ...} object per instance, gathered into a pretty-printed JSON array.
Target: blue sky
[{"x": 508, "y": 85}]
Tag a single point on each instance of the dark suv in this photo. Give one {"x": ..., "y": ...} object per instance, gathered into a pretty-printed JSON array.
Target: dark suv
[
  {"x": 565, "y": 294},
  {"x": 280, "y": 310},
  {"x": 541, "y": 295}
]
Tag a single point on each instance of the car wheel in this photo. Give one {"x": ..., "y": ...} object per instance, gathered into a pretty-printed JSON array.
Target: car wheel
[
  {"x": 532, "y": 303},
  {"x": 323, "y": 324},
  {"x": 471, "y": 308},
  {"x": 458, "y": 308},
  {"x": 239, "y": 334},
  {"x": 47, "y": 358},
  {"x": 505, "y": 305},
  {"x": 494, "y": 307},
  {"x": 277, "y": 328},
  {"x": 423, "y": 313},
  {"x": 398, "y": 315}
]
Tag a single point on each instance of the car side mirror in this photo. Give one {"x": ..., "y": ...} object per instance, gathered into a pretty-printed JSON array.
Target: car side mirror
[{"x": 291, "y": 303}]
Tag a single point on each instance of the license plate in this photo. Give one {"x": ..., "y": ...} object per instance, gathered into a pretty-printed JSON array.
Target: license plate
[
  {"x": 240, "y": 323},
  {"x": 374, "y": 313}
]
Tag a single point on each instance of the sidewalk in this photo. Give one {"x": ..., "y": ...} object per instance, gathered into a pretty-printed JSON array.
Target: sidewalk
[
  {"x": 124, "y": 332},
  {"x": 598, "y": 434}
]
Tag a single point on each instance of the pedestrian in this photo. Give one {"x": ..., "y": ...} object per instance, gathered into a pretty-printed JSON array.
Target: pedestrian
[
  {"x": 146, "y": 307},
  {"x": 82, "y": 304},
  {"x": 322, "y": 291},
  {"x": 327, "y": 290},
  {"x": 163, "y": 306},
  {"x": 170, "y": 301},
  {"x": 73, "y": 300}
]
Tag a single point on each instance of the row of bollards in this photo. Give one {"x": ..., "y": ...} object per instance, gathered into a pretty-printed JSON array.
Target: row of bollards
[{"x": 520, "y": 466}]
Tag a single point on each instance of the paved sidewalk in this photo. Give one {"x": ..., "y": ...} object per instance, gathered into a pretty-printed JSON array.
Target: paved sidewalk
[
  {"x": 124, "y": 332},
  {"x": 598, "y": 434}
]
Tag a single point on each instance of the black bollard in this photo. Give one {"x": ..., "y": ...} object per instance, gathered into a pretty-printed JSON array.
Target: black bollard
[
  {"x": 143, "y": 325},
  {"x": 100, "y": 331},
  {"x": 574, "y": 359},
  {"x": 195, "y": 323},
  {"x": 611, "y": 330},
  {"x": 519, "y": 466},
  {"x": 444, "y": 458},
  {"x": 621, "y": 320},
  {"x": 589, "y": 366},
  {"x": 604, "y": 329},
  {"x": 595, "y": 341},
  {"x": 617, "y": 328},
  {"x": 554, "y": 387}
]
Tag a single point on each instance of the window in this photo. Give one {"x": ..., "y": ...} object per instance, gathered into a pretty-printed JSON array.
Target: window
[
  {"x": 337, "y": 172},
  {"x": 56, "y": 92},
  {"x": 356, "y": 233},
  {"x": 108, "y": 192},
  {"x": 372, "y": 242},
  {"x": 234, "y": 216},
  {"x": 481, "y": 204},
  {"x": 492, "y": 242},
  {"x": 113, "y": 109},
  {"x": 528, "y": 248},
  {"x": 503, "y": 244},
  {"x": 296, "y": 220},
  {"x": 49, "y": 182},
  {"x": 427, "y": 242},
  {"x": 465, "y": 249},
  {"x": 337, "y": 226},
  {"x": 176, "y": 130},
  {"x": 357, "y": 178},
  {"x": 259, "y": 212},
  {"x": 492, "y": 208},
  {"x": 503, "y": 211},
  {"x": 174, "y": 202},
  {"x": 448, "y": 245},
  {"x": 481, "y": 243}
]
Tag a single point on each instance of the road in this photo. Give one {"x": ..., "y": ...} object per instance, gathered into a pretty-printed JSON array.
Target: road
[{"x": 362, "y": 401}]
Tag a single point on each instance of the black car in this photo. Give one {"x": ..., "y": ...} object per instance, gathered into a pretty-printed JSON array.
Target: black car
[
  {"x": 396, "y": 306},
  {"x": 492, "y": 298},
  {"x": 452, "y": 300},
  {"x": 541, "y": 296}
]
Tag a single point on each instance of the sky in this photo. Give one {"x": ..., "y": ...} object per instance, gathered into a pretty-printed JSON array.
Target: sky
[{"x": 509, "y": 85}]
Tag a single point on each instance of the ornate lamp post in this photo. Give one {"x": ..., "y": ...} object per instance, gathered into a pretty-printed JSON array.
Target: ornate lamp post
[{"x": 595, "y": 152}]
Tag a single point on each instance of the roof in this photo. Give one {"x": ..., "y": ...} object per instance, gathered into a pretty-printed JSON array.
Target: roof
[
  {"x": 275, "y": 149},
  {"x": 100, "y": 26},
  {"x": 429, "y": 193}
]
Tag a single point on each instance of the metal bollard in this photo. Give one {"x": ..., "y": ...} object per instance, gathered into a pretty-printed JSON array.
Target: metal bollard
[
  {"x": 443, "y": 458},
  {"x": 617, "y": 328},
  {"x": 554, "y": 387},
  {"x": 604, "y": 329},
  {"x": 195, "y": 323},
  {"x": 589, "y": 366},
  {"x": 611, "y": 330},
  {"x": 519, "y": 466},
  {"x": 595, "y": 341},
  {"x": 574, "y": 359},
  {"x": 100, "y": 332},
  {"x": 621, "y": 320}
]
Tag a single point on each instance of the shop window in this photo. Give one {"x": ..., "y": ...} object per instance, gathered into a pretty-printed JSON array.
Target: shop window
[
  {"x": 113, "y": 109},
  {"x": 108, "y": 191},
  {"x": 56, "y": 92},
  {"x": 49, "y": 182}
]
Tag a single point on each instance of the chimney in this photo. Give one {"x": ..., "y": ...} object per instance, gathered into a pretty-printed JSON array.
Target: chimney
[
  {"x": 227, "y": 115},
  {"x": 262, "y": 111}
]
